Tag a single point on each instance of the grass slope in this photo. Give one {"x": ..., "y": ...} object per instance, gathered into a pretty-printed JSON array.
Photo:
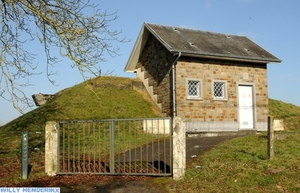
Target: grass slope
[
  {"x": 239, "y": 165},
  {"x": 288, "y": 112},
  {"x": 99, "y": 98}
]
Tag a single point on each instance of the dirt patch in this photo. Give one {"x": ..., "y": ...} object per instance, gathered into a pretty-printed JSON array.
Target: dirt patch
[
  {"x": 117, "y": 185},
  {"x": 94, "y": 183}
]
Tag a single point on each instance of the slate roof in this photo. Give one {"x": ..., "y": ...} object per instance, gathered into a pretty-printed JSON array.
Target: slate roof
[{"x": 197, "y": 43}]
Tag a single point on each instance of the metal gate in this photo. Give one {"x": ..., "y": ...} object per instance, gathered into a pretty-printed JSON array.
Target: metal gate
[{"x": 115, "y": 147}]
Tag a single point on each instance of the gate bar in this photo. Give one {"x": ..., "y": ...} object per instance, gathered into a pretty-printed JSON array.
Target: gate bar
[{"x": 112, "y": 153}]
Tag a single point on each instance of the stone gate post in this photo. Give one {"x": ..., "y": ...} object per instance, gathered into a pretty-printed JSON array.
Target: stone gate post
[
  {"x": 179, "y": 148},
  {"x": 51, "y": 136}
]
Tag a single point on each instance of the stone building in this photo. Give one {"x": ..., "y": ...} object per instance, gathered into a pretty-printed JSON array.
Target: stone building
[{"x": 215, "y": 82}]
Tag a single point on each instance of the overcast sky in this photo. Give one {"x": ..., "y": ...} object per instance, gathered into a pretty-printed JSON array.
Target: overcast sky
[{"x": 272, "y": 24}]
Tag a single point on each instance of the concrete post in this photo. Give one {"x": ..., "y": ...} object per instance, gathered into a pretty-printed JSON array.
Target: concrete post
[
  {"x": 51, "y": 136},
  {"x": 270, "y": 138},
  {"x": 179, "y": 148}
]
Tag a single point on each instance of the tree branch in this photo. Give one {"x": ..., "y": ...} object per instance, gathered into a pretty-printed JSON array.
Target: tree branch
[{"x": 83, "y": 38}]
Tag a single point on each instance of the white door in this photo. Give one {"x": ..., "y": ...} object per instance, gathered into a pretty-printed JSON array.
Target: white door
[{"x": 245, "y": 106}]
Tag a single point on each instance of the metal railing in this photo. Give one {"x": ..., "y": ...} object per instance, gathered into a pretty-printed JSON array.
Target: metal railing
[{"x": 115, "y": 146}]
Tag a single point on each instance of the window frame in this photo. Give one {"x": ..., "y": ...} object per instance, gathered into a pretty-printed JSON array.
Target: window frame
[
  {"x": 225, "y": 98},
  {"x": 200, "y": 97}
]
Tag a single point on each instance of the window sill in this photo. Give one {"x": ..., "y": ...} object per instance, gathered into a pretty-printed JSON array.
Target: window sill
[
  {"x": 219, "y": 99},
  {"x": 191, "y": 98}
]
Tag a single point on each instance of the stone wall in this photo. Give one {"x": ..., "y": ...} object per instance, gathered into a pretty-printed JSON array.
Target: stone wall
[
  {"x": 156, "y": 62},
  {"x": 207, "y": 114},
  {"x": 220, "y": 115}
]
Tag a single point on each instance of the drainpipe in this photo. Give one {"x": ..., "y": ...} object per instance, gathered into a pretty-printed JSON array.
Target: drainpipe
[{"x": 173, "y": 84}]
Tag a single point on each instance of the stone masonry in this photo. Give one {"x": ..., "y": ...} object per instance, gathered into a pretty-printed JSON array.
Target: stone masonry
[
  {"x": 206, "y": 114},
  {"x": 156, "y": 62},
  {"x": 214, "y": 111}
]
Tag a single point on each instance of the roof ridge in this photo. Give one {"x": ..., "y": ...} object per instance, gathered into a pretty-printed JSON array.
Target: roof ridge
[
  {"x": 169, "y": 47},
  {"x": 193, "y": 29}
]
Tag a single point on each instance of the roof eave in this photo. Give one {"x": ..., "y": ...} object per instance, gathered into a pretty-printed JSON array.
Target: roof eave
[
  {"x": 224, "y": 57},
  {"x": 137, "y": 49}
]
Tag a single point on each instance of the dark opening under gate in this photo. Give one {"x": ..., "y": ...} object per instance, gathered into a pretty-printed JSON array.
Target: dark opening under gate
[{"x": 115, "y": 147}]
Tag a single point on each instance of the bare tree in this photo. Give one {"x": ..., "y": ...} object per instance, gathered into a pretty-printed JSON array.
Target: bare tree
[{"x": 76, "y": 28}]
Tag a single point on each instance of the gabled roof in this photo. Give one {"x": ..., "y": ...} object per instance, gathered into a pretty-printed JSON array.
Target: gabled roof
[{"x": 203, "y": 44}]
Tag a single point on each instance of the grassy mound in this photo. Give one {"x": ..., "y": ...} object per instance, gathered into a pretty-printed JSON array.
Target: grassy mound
[
  {"x": 288, "y": 112},
  {"x": 239, "y": 165},
  {"x": 99, "y": 98}
]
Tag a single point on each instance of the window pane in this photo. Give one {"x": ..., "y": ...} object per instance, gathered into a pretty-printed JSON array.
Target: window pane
[
  {"x": 193, "y": 88},
  {"x": 219, "y": 89}
]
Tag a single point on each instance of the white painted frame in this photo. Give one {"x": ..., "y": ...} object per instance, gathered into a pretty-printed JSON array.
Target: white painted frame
[
  {"x": 200, "y": 90},
  {"x": 225, "y": 98}
]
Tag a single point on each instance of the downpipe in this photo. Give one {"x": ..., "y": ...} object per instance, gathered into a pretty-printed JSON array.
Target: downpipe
[{"x": 173, "y": 84}]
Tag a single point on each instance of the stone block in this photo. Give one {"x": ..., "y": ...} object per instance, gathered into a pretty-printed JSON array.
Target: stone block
[
  {"x": 157, "y": 126},
  {"x": 278, "y": 125}
]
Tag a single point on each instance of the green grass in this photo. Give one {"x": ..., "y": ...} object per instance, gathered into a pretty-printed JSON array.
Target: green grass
[
  {"x": 242, "y": 164},
  {"x": 238, "y": 165},
  {"x": 99, "y": 98},
  {"x": 288, "y": 112},
  {"x": 111, "y": 97}
]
